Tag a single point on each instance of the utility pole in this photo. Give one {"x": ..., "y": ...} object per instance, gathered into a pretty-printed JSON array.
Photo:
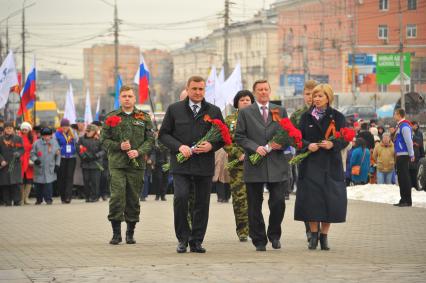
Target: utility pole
[
  {"x": 7, "y": 35},
  {"x": 23, "y": 45},
  {"x": 225, "y": 39},
  {"x": 353, "y": 87},
  {"x": 401, "y": 58},
  {"x": 115, "y": 43}
]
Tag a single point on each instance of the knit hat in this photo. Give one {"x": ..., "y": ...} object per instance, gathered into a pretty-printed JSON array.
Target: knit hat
[
  {"x": 8, "y": 124},
  {"x": 26, "y": 126},
  {"x": 91, "y": 128},
  {"x": 65, "y": 122},
  {"x": 46, "y": 131}
]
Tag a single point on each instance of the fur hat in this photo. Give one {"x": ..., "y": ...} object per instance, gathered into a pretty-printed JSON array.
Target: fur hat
[{"x": 26, "y": 126}]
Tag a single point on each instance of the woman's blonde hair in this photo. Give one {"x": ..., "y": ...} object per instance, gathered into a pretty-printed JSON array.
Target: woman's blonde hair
[{"x": 327, "y": 90}]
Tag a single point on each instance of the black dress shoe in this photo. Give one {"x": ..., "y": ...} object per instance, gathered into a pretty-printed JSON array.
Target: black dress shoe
[
  {"x": 261, "y": 248},
  {"x": 402, "y": 204},
  {"x": 163, "y": 198},
  {"x": 181, "y": 247},
  {"x": 197, "y": 248},
  {"x": 324, "y": 242},
  {"x": 276, "y": 244}
]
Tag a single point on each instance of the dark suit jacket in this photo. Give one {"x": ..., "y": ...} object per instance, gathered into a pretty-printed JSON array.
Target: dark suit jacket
[
  {"x": 180, "y": 127},
  {"x": 251, "y": 133}
]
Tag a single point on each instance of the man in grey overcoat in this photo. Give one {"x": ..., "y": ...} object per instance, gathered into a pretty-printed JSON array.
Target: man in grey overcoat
[
  {"x": 254, "y": 132},
  {"x": 46, "y": 157}
]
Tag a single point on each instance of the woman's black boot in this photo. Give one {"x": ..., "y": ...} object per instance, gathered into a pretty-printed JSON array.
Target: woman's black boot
[
  {"x": 324, "y": 242},
  {"x": 313, "y": 243}
]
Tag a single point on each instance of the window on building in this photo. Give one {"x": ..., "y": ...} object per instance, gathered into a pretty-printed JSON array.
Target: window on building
[
  {"x": 411, "y": 31},
  {"x": 382, "y": 88},
  {"x": 383, "y": 32},
  {"x": 412, "y": 4},
  {"x": 383, "y": 5}
]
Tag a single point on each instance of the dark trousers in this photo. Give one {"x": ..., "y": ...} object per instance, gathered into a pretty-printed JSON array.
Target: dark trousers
[
  {"x": 276, "y": 205},
  {"x": 146, "y": 185},
  {"x": 91, "y": 179},
  {"x": 223, "y": 191},
  {"x": 104, "y": 184},
  {"x": 11, "y": 194},
  {"x": 44, "y": 191},
  {"x": 200, "y": 214},
  {"x": 66, "y": 178},
  {"x": 159, "y": 181},
  {"x": 404, "y": 182}
]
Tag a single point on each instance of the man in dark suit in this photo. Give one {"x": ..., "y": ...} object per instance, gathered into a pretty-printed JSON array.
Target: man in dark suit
[
  {"x": 183, "y": 126},
  {"x": 254, "y": 132}
]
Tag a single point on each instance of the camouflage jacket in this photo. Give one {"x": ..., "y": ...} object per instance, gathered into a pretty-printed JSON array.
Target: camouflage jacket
[
  {"x": 137, "y": 128},
  {"x": 295, "y": 117},
  {"x": 234, "y": 151}
]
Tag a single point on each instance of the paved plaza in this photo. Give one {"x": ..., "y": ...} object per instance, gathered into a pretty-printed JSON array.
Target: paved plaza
[{"x": 69, "y": 243}]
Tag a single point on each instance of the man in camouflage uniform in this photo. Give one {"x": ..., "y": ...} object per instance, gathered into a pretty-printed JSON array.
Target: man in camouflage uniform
[
  {"x": 295, "y": 119},
  {"x": 238, "y": 188},
  {"x": 127, "y": 143},
  {"x": 235, "y": 152}
]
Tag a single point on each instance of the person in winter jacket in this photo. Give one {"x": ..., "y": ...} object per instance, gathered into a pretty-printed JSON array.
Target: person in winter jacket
[
  {"x": 360, "y": 157},
  {"x": 384, "y": 156},
  {"x": 46, "y": 157},
  {"x": 91, "y": 153},
  {"x": 28, "y": 139}
]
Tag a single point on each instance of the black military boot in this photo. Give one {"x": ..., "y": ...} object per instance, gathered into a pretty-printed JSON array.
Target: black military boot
[
  {"x": 130, "y": 232},
  {"x": 324, "y": 242},
  {"x": 313, "y": 243},
  {"x": 116, "y": 230}
]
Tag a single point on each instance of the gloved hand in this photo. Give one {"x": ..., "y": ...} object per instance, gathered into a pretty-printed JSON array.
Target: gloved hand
[
  {"x": 56, "y": 170},
  {"x": 37, "y": 162}
]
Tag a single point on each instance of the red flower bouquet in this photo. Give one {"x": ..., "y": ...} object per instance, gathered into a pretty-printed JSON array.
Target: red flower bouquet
[
  {"x": 86, "y": 155},
  {"x": 287, "y": 135},
  {"x": 114, "y": 121},
  {"x": 218, "y": 132},
  {"x": 345, "y": 134}
]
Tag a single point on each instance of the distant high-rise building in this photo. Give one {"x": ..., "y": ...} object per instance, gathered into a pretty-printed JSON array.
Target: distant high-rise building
[{"x": 99, "y": 70}]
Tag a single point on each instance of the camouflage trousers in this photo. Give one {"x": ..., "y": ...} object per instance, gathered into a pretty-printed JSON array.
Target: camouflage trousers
[
  {"x": 125, "y": 187},
  {"x": 239, "y": 202}
]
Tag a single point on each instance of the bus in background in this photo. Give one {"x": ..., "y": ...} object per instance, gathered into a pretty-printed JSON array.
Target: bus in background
[{"x": 47, "y": 114}]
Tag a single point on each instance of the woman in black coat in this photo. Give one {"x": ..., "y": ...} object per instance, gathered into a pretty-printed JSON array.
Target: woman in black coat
[{"x": 321, "y": 190}]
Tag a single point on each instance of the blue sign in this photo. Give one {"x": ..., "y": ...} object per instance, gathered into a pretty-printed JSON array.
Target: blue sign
[
  {"x": 322, "y": 79},
  {"x": 362, "y": 59},
  {"x": 296, "y": 80}
]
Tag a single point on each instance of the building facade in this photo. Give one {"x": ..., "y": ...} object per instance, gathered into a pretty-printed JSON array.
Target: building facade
[
  {"x": 252, "y": 43},
  {"x": 318, "y": 39}
]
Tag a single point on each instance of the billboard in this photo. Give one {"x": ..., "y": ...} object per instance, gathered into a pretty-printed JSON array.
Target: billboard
[{"x": 388, "y": 69}]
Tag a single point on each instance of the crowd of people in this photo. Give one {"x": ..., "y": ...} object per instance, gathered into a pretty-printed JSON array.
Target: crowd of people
[{"x": 124, "y": 158}]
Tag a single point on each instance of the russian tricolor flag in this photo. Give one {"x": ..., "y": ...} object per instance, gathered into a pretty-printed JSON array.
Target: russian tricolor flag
[
  {"x": 28, "y": 95},
  {"x": 142, "y": 79}
]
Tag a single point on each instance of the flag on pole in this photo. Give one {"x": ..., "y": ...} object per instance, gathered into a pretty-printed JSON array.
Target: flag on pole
[
  {"x": 88, "y": 118},
  {"x": 28, "y": 94},
  {"x": 98, "y": 106},
  {"x": 117, "y": 93},
  {"x": 232, "y": 85},
  {"x": 142, "y": 79},
  {"x": 211, "y": 86},
  {"x": 8, "y": 78},
  {"x": 69, "y": 111}
]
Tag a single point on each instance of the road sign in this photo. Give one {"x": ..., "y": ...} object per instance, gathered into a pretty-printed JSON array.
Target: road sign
[{"x": 388, "y": 69}]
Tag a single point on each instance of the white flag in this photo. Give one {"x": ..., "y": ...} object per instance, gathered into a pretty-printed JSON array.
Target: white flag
[
  {"x": 88, "y": 118},
  {"x": 221, "y": 77},
  {"x": 69, "y": 111},
  {"x": 8, "y": 78},
  {"x": 232, "y": 85},
  {"x": 211, "y": 86},
  {"x": 98, "y": 106}
]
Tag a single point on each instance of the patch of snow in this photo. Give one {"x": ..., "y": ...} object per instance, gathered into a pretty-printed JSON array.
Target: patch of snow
[{"x": 384, "y": 194}]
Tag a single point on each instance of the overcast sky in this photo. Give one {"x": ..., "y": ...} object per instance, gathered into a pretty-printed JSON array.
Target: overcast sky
[{"x": 58, "y": 30}]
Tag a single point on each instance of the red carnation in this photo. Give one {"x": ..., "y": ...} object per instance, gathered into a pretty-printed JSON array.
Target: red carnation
[
  {"x": 83, "y": 149},
  {"x": 337, "y": 135},
  {"x": 348, "y": 134},
  {"x": 113, "y": 121},
  {"x": 39, "y": 154}
]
